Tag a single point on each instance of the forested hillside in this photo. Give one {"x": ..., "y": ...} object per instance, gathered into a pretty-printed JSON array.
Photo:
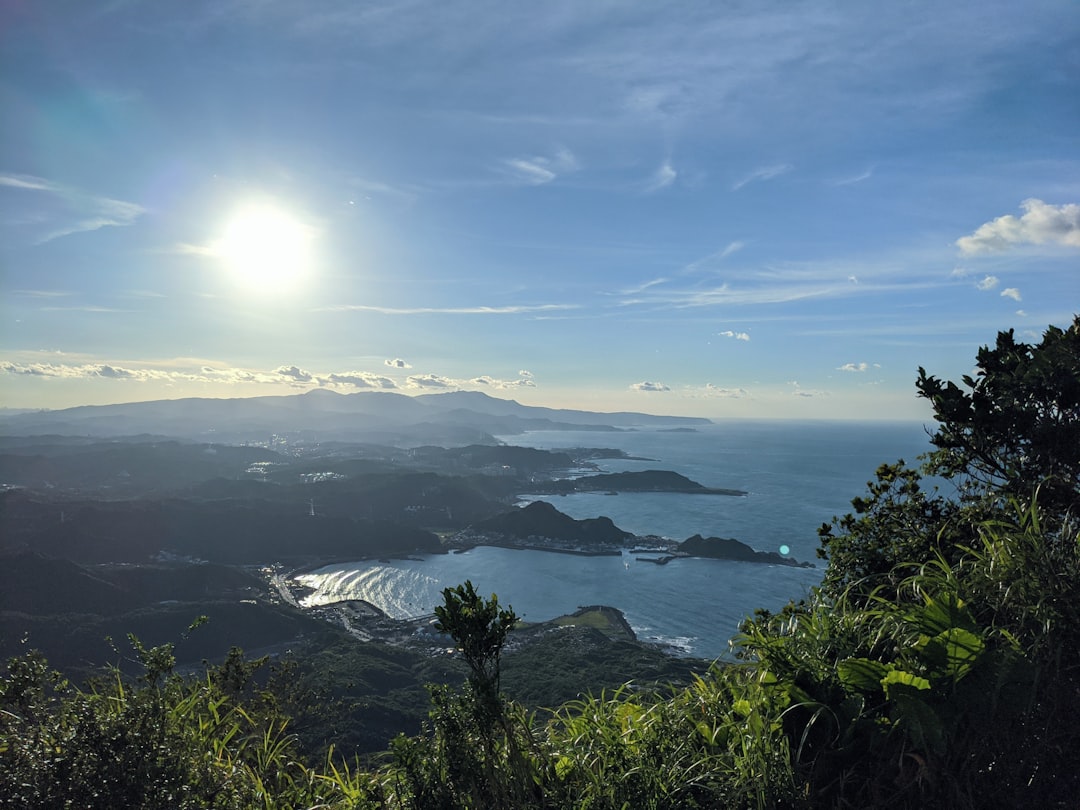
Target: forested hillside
[{"x": 937, "y": 666}]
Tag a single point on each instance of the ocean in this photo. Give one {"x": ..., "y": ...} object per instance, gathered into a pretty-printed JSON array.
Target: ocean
[{"x": 797, "y": 476}]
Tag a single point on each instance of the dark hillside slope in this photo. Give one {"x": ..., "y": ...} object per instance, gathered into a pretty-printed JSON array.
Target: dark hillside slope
[{"x": 541, "y": 519}]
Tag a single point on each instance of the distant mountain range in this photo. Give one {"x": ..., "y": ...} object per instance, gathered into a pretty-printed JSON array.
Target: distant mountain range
[{"x": 459, "y": 417}]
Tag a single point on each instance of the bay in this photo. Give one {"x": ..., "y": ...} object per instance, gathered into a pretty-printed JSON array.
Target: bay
[{"x": 797, "y": 476}]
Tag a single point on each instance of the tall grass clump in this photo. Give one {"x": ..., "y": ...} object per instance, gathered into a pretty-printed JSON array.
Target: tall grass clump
[
  {"x": 157, "y": 741},
  {"x": 953, "y": 685}
]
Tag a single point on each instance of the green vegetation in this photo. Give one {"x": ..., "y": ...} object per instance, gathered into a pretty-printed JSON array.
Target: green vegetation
[
  {"x": 938, "y": 666},
  {"x": 606, "y": 620},
  {"x": 1010, "y": 431}
]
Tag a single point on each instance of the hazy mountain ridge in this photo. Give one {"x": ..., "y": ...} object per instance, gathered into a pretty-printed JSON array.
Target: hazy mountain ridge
[{"x": 458, "y": 417}]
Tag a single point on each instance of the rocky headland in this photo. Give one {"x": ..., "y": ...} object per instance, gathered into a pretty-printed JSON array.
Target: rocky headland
[{"x": 643, "y": 481}]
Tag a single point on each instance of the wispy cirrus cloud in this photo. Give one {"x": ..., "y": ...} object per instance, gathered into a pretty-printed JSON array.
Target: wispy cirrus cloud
[
  {"x": 805, "y": 393},
  {"x": 714, "y": 259},
  {"x": 640, "y": 288},
  {"x": 1041, "y": 223},
  {"x": 47, "y": 294},
  {"x": 722, "y": 392},
  {"x": 786, "y": 282},
  {"x": 745, "y": 293},
  {"x": 763, "y": 174},
  {"x": 539, "y": 170},
  {"x": 62, "y": 210},
  {"x": 506, "y": 310},
  {"x": 406, "y": 193},
  {"x": 663, "y": 177},
  {"x": 857, "y": 178},
  {"x": 84, "y": 308}
]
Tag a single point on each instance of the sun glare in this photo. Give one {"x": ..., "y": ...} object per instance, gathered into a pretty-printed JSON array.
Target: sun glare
[{"x": 265, "y": 248}]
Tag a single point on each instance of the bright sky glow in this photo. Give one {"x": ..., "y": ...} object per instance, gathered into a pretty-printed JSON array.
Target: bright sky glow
[
  {"x": 774, "y": 209},
  {"x": 265, "y": 249}
]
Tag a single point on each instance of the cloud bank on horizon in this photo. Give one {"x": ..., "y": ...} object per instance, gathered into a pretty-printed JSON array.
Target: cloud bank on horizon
[{"x": 675, "y": 209}]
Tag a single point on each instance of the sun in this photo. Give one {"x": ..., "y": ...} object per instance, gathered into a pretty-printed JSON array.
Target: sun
[{"x": 266, "y": 248}]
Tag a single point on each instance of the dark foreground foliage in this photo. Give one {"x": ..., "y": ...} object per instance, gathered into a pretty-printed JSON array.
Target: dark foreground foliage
[{"x": 939, "y": 666}]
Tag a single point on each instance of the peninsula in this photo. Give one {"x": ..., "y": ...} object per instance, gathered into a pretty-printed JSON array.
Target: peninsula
[
  {"x": 723, "y": 548},
  {"x": 643, "y": 481}
]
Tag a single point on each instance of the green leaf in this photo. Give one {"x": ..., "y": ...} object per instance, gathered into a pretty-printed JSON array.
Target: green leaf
[
  {"x": 944, "y": 613},
  {"x": 953, "y": 652},
  {"x": 896, "y": 681},
  {"x": 862, "y": 674}
]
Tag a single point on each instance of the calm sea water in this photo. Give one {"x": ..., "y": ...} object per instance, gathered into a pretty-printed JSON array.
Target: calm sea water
[{"x": 798, "y": 475}]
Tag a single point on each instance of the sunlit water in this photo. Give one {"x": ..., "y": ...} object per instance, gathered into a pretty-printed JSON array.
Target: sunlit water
[{"x": 798, "y": 475}]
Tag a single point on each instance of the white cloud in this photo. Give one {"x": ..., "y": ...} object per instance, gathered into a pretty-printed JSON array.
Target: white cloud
[
  {"x": 1041, "y": 223},
  {"x": 294, "y": 374},
  {"x": 531, "y": 172},
  {"x": 798, "y": 391},
  {"x": 27, "y": 182},
  {"x": 358, "y": 379},
  {"x": 649, "y": 386},
  {"x": 764, "y": 173},
  {"x": 430, "y": 381},
  {"x": 117, "y": 373},
  {"x": 492, "y": 382},
  {"x": 663, "y": 177},
  {"x": 397, "y": 362},
  {"x": 737, "y": 335},
  {"x": 539, "y": 170},
  {"x": 287, "y": 376},
  {"x": 187, "y": 370},
  {"x": 987, "y": 283},
  {"x": 1011, "y": 292},
  {"x": 857, "y": 367},
  {"x": 107, "y": 371},
  {"x": 725, "y": 393}
]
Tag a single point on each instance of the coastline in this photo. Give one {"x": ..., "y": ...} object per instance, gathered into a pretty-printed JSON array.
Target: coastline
[{"x": 580, "y": 552}]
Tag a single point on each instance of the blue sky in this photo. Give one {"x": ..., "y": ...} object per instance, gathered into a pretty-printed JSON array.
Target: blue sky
[{"x": 773, "y": 209}]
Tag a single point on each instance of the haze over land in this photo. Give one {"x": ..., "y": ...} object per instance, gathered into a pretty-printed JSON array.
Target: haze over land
[
  {"x": 777, "y": 210},
  {"x": 151, "y": 514}
]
